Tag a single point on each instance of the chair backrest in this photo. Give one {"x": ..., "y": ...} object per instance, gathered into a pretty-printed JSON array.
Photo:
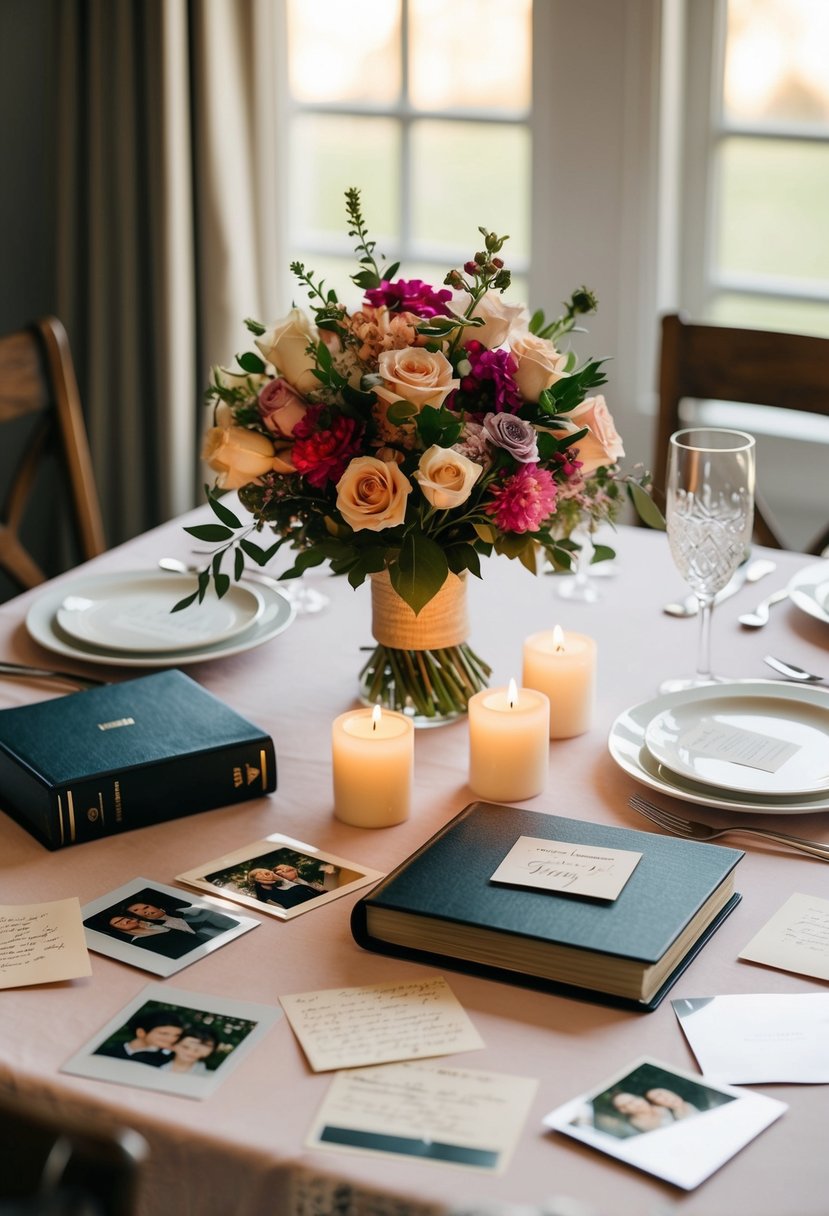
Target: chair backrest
[
  {"x": 40, "y": 411},
  {"x": 755, "y": 367},
  {"x": 65, "y": 1164}
]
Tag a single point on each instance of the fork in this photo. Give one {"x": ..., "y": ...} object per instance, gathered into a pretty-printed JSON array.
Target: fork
[
  {"x": 703, "y": 831},
  {"x": 24, "y": 671}
]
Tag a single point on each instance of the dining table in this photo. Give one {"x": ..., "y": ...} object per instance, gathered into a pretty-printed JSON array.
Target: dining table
[{"x": 242, "y": 1150}]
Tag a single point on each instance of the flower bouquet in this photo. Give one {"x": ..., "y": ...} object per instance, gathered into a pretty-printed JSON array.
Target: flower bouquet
[{"x": 402, "y": 441}]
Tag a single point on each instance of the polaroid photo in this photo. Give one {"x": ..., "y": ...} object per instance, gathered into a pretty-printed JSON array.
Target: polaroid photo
[
  {"x": 175, "y": 1041},
  {"x": 280, "y": 876},
  {"x": 665, "y": 1121},
  {"x": 157, "y": 928}
]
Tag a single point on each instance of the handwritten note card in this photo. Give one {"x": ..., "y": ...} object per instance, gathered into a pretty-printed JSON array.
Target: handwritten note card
[
  {"x": 348, "y": 1027},
  {"x": 722, "y": 741},
  {"x": 578, "y": 869},
  {"x": 434, "y": 1112},
  {"x": 42, "y": 943},
  {"x": 795, "y": 939}
]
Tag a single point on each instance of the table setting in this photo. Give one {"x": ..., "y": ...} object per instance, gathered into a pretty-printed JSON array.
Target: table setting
[{"x": 557, "y": 772}]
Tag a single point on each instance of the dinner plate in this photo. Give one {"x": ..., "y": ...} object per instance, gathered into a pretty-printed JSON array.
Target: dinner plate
[
  {"x": 746, "y": 743},
  {"x": 809, "y": 590},
  {"x": 42, "y": 625},
  {"x": 135, "y": 615},
  {"x": 626, "y": 744}
]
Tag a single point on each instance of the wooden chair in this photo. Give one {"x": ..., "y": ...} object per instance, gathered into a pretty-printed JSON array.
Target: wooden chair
[
  {"x": 40, "y": 412},
  {"x": 756, "y": 367},
  {"x": 66, "y": 1164}
]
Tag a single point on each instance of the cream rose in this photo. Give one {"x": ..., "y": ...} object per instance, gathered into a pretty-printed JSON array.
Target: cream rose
[
  {"x": 372, "y": 494},
  {"x": 446, "y": 477},
  {"x": 499, "y": 320},
  {"x": 252, "y": 381},
  {"x": 539, "y": 364},
  {"x": 602, "y": 445},
  {"x": 285, "y": 345},
  {"x": 414, "y": 374},
  {"x": 237, "y": 456}
]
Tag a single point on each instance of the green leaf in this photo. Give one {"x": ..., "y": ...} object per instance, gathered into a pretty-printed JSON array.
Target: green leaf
[
  {"x": 185, "y": 603},
  {"x": 646, "y": 508},
  {"x": 255, "y": 327},
  {"x": 222, "y": 512},
  {"x": 536, "y": 321},
  {"x": 420, "y": 570},
  {"x": 222, "y": 584},
  {"x": 251, "y": 363},
  {"x": 602, "y": 553},
  {"x": 256, "y": 552},
  {"x": 486, "y": 533},
  {"x": 463, "y": 557},
  {"x": 238, "y": 564},
  {"x": 400, "y": 412},
  {"x": 210, "y": 532}
]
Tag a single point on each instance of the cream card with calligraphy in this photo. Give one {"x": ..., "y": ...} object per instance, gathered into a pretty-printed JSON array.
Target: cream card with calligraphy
[
  {"x": 557, "y": 865},
  {"x": 42, "y": 943},
  {"x": 377, "y": 1023},
  {"x": 795, "y": 939}
]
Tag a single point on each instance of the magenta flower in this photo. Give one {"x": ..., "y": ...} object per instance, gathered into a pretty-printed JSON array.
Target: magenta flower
[
  {"x": 490, "y": 386},
  {"x": 410, "y": 295},
  {"x": 523, "y": 501}
]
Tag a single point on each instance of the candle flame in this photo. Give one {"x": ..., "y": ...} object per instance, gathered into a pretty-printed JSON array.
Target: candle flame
[
  {"x": 558, "y": 639},
  {"x": 376, "y": 715},
  {"x": 512, "y": 694}
]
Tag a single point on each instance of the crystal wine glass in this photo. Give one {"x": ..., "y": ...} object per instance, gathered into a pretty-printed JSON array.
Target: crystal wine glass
[{"x": 709, "y": 511}]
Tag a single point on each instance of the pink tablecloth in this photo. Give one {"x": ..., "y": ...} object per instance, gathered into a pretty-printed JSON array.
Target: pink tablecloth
[{"x": 241, "y": 1151}]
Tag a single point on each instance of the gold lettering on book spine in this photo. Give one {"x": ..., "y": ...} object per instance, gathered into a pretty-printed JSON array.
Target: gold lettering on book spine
[
  {"x": 71, "y": 809},
  {"x": 263, "y": 764}
]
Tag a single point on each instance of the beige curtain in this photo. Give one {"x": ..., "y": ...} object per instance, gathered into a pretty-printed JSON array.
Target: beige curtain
[{"x": 166, "y": 234}]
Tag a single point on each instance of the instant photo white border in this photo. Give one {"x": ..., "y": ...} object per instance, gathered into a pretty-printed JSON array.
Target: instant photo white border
[
  {"x": 195, "y": 878},
  {"x": 688, "y": 1151},
  {"x": 85, "y": 1063},
  {"x": 157, "y": 964}
]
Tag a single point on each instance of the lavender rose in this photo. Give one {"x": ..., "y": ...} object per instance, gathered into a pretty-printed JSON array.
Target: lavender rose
[{"x": 514, "y": 435}]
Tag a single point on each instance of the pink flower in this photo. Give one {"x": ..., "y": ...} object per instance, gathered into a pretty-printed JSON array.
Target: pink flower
[
  {"x": 490, "y": 386},
  {"x": 280, "y": 407},
  {"x": 410, "y": 295},
  {"x": 322, "y": 455},
  {"x": 523, "y": 501}
]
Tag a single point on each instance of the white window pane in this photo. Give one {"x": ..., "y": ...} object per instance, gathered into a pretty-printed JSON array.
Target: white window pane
[
  {"x": 777, "y": 61},
  {"x": 470, "y": 174},
  {"x": 773, "y": 200},
  {"x": 470, "y": 53},
  {"x": 770, "y": 312},
  {"x": 331, "y": 153},
  {"x": 344, "y": 51}
]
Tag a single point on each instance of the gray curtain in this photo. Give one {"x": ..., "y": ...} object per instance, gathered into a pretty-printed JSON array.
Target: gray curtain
[{"x": 165, "y": 184}]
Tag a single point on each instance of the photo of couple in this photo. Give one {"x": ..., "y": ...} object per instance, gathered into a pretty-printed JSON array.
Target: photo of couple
[
  {"x": 279, "y": 876},
  {"x": 174, "y": 1041},
  {"x": 158, "y": 928},
  {"x": 648, "y": 1099}
]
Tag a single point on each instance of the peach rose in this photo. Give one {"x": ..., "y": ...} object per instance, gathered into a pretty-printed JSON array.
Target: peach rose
[
  {"x": 602, "y": 445},
  {"x": 446, "y": 477},
  {"x": 372, "y": 494},
  {"x": 539, "y": 364},
  {"x": 285, "y": 345},
  {"x": 237, "y": 455},
  {"x": 421, "y": 376},
  {"x": 499, "y": 320},
  {"x": 280, "y": 408}
]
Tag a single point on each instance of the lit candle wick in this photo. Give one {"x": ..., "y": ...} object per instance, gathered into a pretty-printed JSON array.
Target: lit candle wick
[
  {"x": 558, "y": 640},
  {"x": 375, "y": 717},
  {"x": 512, "y": 694}
]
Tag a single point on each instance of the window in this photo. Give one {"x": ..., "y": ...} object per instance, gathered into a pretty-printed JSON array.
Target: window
[
  {"x": 764, "y": 168},
  {"x": 425, "y": 106}
]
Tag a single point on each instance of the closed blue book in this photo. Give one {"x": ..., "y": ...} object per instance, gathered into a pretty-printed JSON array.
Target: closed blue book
[
  {"x": 125, "y": 756},
  {"x": 441, "y": 907}
]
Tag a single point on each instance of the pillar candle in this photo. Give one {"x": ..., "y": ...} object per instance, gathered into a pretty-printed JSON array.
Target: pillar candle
[
  {"x": 563, "y": 665},
  {"x": 372, "y": 753},
  {"x": 508, "y": 743}
]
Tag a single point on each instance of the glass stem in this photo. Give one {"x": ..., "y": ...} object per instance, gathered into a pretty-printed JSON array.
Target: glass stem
[{"x": 704, "y": 642}]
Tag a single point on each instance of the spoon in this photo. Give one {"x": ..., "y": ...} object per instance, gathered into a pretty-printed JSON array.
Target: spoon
[
  {"x": 791, "y": 672},
  {"x": 760, "y": 615},
  {"x": 751, "y": 573}
]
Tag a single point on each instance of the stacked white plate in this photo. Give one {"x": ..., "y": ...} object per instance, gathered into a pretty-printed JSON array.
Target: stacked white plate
[
  {"x": 125, "y": 619},
  {"x": 756, "y": 745},
  {"x": 809, "y": 590}
]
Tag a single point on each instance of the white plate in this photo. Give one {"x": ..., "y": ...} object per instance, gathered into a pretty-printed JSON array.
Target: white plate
[
  {"x": 809, "y": 590},
  {"x": 277, "y": 614},
  {"x": 133, "y": 615},
  {"x": 782, "y": 744},
  {"x": 626, "y": 743}
]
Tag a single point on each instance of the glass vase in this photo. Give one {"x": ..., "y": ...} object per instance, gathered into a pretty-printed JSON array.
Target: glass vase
[{"x": 422, "y": 665}]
